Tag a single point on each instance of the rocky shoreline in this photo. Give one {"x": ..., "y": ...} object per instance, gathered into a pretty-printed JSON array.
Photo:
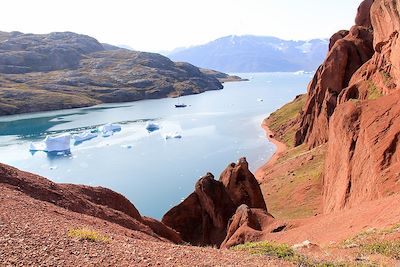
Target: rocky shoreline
[{"x": 64, "y": 70}]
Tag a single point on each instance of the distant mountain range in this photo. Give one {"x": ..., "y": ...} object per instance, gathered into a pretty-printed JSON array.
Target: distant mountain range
[{"x": 255, "y": 54}]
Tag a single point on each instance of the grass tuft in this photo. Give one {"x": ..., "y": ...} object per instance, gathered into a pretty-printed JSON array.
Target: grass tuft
[
  {"x": 387, "y": 248},
  {"x": 285, "y": 252},
  {"x": 281, "y": 251},
  {"x": 87, "y": 234},
  {"x": 373, "y": 91}
]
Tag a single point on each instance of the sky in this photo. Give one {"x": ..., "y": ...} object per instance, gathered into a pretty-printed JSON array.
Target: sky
[{"x": 162, "y": 25}]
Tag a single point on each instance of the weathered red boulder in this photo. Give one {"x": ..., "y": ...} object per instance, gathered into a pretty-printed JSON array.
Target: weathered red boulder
[
  {"x": 345, "y": 57},
  {"x": 162, "y": 230},
  {"x": 247, "y": 225},
  {"x": 186, "y": 218},
  {"x": 336, "y": 37},
  {"x": 201, "y": 218},
  {"x": 242, "y": 186},
  {"x": 363, "y": 17}
]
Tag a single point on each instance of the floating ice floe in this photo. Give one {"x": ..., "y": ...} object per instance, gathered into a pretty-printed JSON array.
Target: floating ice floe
[
  {"x": 152, "y": 126},
  {"x": 84, "y": 136},
  {"x": 109, "y": 129},
  {"x": 172, "y": 136},
  {"x": 300, "y": 72},
  {"x": 260, "y": 99},
  {"x": 55, "y": 143},
  {"x": 127, "y": 146}
]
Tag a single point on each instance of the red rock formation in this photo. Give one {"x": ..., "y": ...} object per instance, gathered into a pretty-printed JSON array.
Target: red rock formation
[
  {"x": 363, "y": 14},
  {"x": 363, "y": 158},
  {"x": 247, "y": 225},
  {"x": 202, "y": 218},
  {"x": 162, "y": 230},
  {"x": 186, "y": 218},
  {"x": 242, "y": 186},
  {"x": 98, "y": 202},
  {"x": 362, "y": 161},
  {"x": 348, "y": 52}
]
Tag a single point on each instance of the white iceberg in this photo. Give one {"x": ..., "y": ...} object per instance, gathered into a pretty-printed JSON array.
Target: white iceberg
[
  {"x": 172, "y": 136},
  {"x": 55, "y": 143},
  {"x": 84, "y": 136},
  {"x": 152, "y": 126},
  {"x": 260, "y": 99},
  {"x": 109, "y": 129},
  {"x": 300, "y": 72}
]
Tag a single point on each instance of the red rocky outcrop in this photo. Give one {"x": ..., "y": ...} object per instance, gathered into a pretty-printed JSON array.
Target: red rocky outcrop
[
  {"x": 363, "y": 158},
  {"x": 362, "y": 161},
  {"x": 348, "y": 52},
  {"x": 98, "y": 202},
  {"x": 242, "y": 186},
  {"x": 247, "y": 225},
  {"x": 202, "y": 218}
]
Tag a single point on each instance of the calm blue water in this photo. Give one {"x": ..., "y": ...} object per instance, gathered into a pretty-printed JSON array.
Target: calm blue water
[{"x": 217, "y": 128}]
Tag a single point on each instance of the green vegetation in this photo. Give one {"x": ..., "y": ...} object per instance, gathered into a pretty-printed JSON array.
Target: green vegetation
[
  {"x": 86, "y": 234},
  {"x": 285, "y": 252},
  {"x": 284, "y": 117},
  {"x": 389, "y": 249},
  {"x": 373, "y": 91},
  {"x": 296, "y": 191},
  {"x": 376, "y": 241},
  {"x": 387, "y": 79},
  {"x": 281, "y": 251}
]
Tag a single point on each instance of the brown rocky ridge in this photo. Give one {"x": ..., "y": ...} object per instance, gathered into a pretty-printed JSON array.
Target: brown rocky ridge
[{"x": 60, "y": 70}]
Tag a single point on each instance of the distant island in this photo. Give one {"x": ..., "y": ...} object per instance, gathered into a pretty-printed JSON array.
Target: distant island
[
  {"x": 60, "y": 70},
  {"x": 255, "y": 54}
]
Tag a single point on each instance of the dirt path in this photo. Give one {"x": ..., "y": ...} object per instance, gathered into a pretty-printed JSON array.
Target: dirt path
[{"x": 280, "y": 149}]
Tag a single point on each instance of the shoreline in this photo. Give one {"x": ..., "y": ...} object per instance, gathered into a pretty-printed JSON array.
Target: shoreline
[
  {"x": 280, "y": 149},
  {"x": 66, "y": 109}
]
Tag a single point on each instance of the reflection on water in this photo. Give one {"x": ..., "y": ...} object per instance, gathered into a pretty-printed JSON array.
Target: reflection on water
[{"x": 217, "y": 127}]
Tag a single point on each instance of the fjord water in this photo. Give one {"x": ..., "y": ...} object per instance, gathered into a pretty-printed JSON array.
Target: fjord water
[{"x": 217, "y": 128}]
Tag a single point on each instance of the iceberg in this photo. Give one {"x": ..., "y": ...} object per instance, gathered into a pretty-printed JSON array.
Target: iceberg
[
  {"x": 55, "y": 143},
  {"x": 84, "y": 136},
  {"x": 151, "y": 127},
  {"x": 109, "y": 129},
  {"x": 172, "y": 136}
]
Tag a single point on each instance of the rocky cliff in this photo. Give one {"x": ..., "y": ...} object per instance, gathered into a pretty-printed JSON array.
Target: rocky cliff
[
  {"x": 352, "y": 108},
  {"x": 66, "y": 70}
]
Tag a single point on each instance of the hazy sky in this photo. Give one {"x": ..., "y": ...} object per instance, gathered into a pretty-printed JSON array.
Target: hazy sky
[{"x": 155, "y": 25}]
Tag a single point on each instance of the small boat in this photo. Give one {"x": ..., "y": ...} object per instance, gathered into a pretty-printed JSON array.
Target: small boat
[{"x": 180, "y": 106}]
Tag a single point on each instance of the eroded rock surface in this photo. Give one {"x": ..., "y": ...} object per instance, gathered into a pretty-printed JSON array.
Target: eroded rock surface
[{"x": 202, "y": 218}]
